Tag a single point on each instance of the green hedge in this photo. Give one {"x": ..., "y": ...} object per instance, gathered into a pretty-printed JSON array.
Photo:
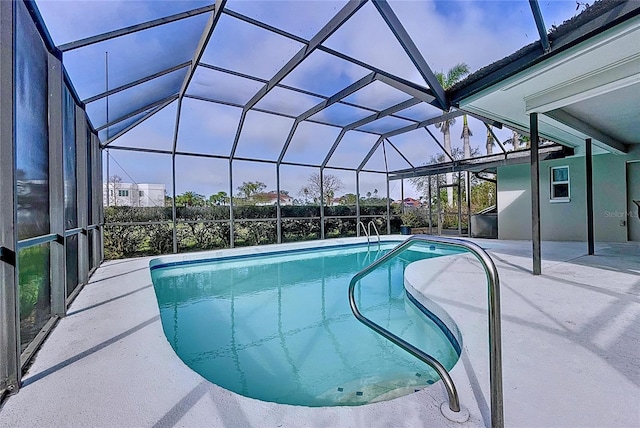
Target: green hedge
[{"x": 207, "y": 228}]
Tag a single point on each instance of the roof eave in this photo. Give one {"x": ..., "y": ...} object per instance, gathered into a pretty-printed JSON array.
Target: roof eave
[{"x": 600, "y": 17}]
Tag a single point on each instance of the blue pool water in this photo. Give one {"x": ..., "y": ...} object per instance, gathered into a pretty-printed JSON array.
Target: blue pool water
[{"x": 279, "y": 328}]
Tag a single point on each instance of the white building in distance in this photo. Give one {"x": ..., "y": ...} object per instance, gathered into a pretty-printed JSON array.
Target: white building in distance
[{"x": 133, "y": 195}]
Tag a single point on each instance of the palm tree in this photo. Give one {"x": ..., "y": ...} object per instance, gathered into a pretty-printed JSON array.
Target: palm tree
[
  {"x": 490, "y": 141},
  {"x": 515, "y": 140},
  {"x": 466, "y": 133},
  {"x": 453, "y": 76},
  {"x": 190, "y": 199},
  {"x": 219, "y": 198}
]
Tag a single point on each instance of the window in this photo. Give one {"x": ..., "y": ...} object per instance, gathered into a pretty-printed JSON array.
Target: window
[
  {"x": 141, "y": 193},
  {"x": 560, "y": 184},
  {"x": 123, "y": 193}
]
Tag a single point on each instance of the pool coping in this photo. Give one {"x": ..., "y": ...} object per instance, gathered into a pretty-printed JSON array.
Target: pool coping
[{"x": 240, "y": 253}]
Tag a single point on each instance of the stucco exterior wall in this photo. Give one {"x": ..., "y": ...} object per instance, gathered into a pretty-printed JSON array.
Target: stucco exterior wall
[
  {"x": 566, "y": 221},
  {"x": 633, "y": 211}
]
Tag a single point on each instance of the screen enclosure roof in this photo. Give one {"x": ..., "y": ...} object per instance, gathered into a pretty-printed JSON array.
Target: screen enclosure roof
[{"x": 336, "y": 84}]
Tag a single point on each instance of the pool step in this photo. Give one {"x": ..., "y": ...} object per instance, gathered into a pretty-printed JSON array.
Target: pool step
[{"x": 371, "y": 390}]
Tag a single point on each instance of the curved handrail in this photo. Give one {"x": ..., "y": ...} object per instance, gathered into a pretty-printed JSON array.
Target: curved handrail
[
  {"x": 495, "y": 340},
  {"x": 364, "y": 229},
  {"x": 375, "y": 229}
]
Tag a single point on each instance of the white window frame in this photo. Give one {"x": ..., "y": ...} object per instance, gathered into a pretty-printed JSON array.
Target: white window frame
[
  {"x": 552, "y": 183},
  {"x": 123, "y": 193}
]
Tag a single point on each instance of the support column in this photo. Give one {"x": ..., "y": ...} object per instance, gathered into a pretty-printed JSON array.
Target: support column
[
  {"x": 174, "y": 212},
  {"x": 109, "y": 190},
  {"x": 278, "y": 206},
  {"x": 402, "y": 195},
  {"x": 231, "y": 216},
  {"x": 468, "y": 198},
  {"x": 98, "y": 207},
  {"x": 357, "y": 203},
  {"x": 96, "y": 184},
  {"x": 388, "y": 208},
  {"x": 321, "y": 203},
  {"x": 438, "y": 204},
  {"x": 10, "y": 374},
  {"x": 459, "y": 206},
  {"x": 535, "y": 194},
  {"x": 56, "y": 190},
  {"x": 82, "y": 179},
  {"x": 589, "y": 175},
  {"x": 430, "y": 208}
]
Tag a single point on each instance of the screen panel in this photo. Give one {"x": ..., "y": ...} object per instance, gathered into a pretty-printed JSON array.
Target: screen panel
[
  {"x": 31, "y": 130},
  {"x": 69, "y": 160},
  {"x": 219, "y": 86},
  {"x": 310, "y": 16},
  {"x": 138, "y": 97},
  {"x": 263, "y": 136},
  {"x": 378, "y": 96},
  {"x": 207, "y": 127},
  {"x": 74, "y": 20},
  {"x": 324, "y": 74},
  {"x": 352, "y": 149},
  {"x": 155, "y": 132},
  {"x": 126, "y": 59},
  {"x": 311, "y": 143},
  {"x": 248, "y": 49}
]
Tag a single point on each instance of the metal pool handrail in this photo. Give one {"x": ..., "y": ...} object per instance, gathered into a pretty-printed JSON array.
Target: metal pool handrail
[
  {"x": 495, "y": 340},
  {"x": 375, "y": 229},
  {"x": 367, "y": 232},
  {"x": 364, "y": 229}
]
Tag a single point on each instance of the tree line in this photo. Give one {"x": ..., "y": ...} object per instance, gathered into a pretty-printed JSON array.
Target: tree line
[{"x": 253, "y": 193}]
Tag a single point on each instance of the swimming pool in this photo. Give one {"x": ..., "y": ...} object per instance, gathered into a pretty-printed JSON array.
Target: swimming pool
[{"x": 278, "y": 327}]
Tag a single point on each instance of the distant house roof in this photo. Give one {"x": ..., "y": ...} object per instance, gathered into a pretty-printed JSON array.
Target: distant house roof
[
  {"x": 410, "y": 202},
  {"x": 272, "y": 196}
]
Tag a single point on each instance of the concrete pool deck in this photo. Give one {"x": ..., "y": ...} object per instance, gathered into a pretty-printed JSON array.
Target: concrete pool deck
[{"x": 571, "y": 353}]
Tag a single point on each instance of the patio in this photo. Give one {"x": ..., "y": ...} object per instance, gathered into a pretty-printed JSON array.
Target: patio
[{"x": 571, "y": 353}]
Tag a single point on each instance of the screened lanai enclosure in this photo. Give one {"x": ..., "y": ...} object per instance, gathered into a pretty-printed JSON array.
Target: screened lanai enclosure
[{"x": 133, "y": 128}]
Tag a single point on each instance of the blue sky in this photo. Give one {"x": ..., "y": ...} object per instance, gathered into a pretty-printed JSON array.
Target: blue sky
[{"x": 446, "y": 32}]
